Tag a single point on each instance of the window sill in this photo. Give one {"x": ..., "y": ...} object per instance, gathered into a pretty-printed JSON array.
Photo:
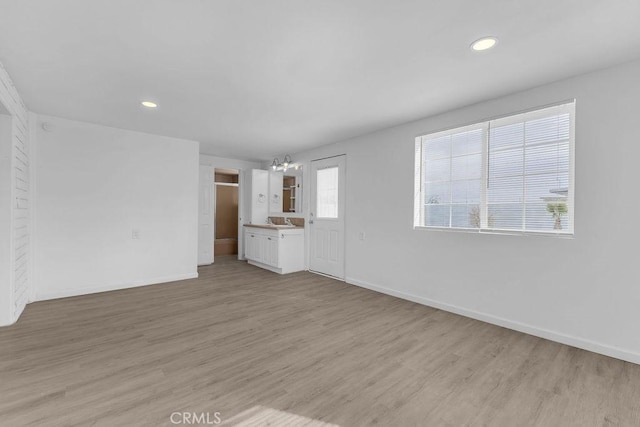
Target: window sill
[{"x": 499, "y": 232}]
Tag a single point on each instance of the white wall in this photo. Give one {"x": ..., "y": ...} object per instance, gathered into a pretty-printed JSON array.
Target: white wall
[
  {"x": 227, "y": 163},
  {"x": 583, "y": 291},
  {"x": 5, "y": 218},
  {"x": 95, "y": 185},
  {"x": 15, "y": 281}
]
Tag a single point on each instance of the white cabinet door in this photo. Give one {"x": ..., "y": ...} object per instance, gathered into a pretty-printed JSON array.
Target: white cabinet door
[
  {"x": 254, "y": 250},
  {"x": 248, "y": 245},
  {"x": 258, "y": 251},
  {"x": 275, "y": 191},
  {"x": 266, "y": 250},
  {"x": 271, "y": 251},
  {"x": 259, "y": 196}
]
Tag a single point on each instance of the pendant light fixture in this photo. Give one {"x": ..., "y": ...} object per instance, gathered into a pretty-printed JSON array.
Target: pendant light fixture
[
  {"x": 276, "y": 165},
  {"x": 286, "y": 162}
]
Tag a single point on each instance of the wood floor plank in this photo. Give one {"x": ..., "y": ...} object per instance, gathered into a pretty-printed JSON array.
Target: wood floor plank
[{"x": 255, "y": 345}]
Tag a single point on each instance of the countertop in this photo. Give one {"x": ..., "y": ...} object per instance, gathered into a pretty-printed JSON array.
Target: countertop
[{"x": 274, "y": 227}]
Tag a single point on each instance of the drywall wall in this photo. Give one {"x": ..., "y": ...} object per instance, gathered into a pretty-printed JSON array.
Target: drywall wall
[
  {"x": 115, "y": 208},
  {"x": 582, "y": 291},
  {"x": 5, "y": 218},
  {"x": 15, "y": 292}
]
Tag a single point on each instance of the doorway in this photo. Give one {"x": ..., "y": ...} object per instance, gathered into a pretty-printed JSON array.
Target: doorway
[
  {"x": 326, "y": 216},
  {"x": 226, "y": 212}
]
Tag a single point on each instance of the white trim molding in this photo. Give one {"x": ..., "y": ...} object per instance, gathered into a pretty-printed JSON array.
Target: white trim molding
[
  {"x": 65, "y": 293},
  {"x": 596, "y": 347}
]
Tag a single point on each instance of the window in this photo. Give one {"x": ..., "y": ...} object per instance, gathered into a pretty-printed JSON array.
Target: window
[
  {"x": 513, "y": 174},
  {"x": 327, "y": 192}
]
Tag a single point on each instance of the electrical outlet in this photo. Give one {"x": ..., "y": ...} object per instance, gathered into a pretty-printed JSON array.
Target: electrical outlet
[
  {"x": 135, "y": 234},
  {"x": 362, "y": 235}
]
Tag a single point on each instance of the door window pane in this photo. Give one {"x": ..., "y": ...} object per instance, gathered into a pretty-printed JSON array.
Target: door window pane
[{"x": 327, "y": 192}]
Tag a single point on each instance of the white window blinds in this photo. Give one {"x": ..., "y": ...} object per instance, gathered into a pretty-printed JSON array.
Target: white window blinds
[
  {"x": 453, "y": 178},
  {"x": 511, "y": 174},
  {"x": 528, "y": 171}
]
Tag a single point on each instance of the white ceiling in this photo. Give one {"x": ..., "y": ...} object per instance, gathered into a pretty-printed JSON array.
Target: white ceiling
[{"x": 252, "y": 79}]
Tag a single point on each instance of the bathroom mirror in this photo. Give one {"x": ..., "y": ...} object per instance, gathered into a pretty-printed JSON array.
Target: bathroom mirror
[{"x": 285, "y": 191}]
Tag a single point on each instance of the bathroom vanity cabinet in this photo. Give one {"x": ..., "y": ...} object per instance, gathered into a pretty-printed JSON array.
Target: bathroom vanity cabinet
[{"x": 276, "y": 248}]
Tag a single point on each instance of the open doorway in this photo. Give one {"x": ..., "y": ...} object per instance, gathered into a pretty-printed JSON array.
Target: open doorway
[{"x": 226, "y": 212}]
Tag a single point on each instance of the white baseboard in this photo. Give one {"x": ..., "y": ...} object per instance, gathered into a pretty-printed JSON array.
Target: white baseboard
[
  {"x": 584, "y": 344},
  {"x": 112, "y": 287},
  {"x": 18, "y": 313},
  {"x": 7, "y": 322}
]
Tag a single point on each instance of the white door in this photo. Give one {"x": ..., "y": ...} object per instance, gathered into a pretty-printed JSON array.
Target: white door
[
  {"x": 205, "y": 216},
  {"x": 326, "y": 216},
  {"x": 241, "y": 214}
]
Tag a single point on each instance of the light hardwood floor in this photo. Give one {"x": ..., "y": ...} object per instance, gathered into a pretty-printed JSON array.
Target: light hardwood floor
[{"x": 240, "y": 338}]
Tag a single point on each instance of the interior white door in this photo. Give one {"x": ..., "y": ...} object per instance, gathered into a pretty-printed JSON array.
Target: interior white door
[
  {"x": 205, "y": 216},
  {"x": 241, "y": 214},
  {"x": 326, "y": 216}
]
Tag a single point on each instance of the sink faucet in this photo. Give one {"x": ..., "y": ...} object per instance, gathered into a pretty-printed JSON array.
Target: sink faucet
[
  {"x": 288, "y": 221},
  {"x": 269, "y": 221}
]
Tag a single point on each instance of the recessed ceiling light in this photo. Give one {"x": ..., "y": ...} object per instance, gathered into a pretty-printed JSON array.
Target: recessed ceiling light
[
  {"x": 484, "y": 43},
  {"x": 149, "y": 104}
]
